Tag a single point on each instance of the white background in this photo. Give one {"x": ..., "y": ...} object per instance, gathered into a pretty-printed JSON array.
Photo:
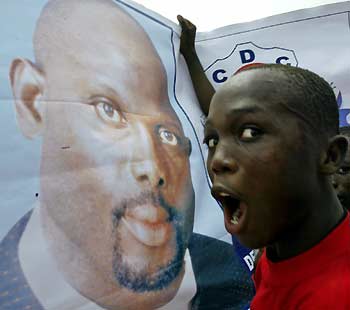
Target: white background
[{"x": 208, "y": 15}]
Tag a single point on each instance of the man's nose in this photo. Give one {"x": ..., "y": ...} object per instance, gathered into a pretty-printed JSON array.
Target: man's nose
[
  {"x": 146, "y": 173},
  {"x": 222, "y": 162},
  {"x": 334, "y": 183}
]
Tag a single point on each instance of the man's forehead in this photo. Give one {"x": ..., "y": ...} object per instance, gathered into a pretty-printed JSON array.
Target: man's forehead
[
  {"x": 252, "y": 94},
  {"x": 258, "y": 81},
  {"x": 253, "y": 88}
]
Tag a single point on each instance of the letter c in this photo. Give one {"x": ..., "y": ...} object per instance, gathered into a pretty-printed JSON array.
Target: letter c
[
  {"x": 216, "y": 77},
  {"x": 283, "y": 58}
]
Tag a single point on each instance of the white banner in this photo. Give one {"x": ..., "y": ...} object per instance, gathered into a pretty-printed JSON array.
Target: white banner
[{"x": 316, "y": 39}]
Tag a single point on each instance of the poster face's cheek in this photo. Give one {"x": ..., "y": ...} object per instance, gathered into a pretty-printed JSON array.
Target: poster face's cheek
[
  {"x": 180, "y": 186},
  {"x": 177, "y": 190}
]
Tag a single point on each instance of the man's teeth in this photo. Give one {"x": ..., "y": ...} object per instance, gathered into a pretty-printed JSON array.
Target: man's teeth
[
  {"x": 237, "y": 214},
  {"x": 224, "y": 195},
  {"x": 235, "y": 217}
]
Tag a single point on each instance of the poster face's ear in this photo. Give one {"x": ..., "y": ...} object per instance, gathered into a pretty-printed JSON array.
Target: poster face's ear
[
  {"x": 27, "y": 84},
  {"x": 334, "y": 155}
]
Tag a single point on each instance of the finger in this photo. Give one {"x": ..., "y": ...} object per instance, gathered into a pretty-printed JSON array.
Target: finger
[
  {"x": 182, "y": 21},
  {"x": 189, "y": 25}
]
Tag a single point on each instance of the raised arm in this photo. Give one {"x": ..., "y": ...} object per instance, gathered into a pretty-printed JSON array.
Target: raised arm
[{"x": 203, "y": 88}]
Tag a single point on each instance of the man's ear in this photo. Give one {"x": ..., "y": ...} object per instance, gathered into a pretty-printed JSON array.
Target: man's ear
[
  {"x": 334, "y": 155},
  {"x": 27, "y": 84}
]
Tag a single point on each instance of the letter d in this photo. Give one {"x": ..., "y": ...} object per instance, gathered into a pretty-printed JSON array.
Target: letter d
[{"x": 247, "y": 56}]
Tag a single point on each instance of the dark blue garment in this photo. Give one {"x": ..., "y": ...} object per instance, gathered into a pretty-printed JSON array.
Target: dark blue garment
[
  {"x": 223, "y": 283},
  {"x": 15, "y": 293}
]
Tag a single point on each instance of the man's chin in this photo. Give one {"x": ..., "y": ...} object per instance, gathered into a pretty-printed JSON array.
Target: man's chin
[{"x": 345, "y": 201}]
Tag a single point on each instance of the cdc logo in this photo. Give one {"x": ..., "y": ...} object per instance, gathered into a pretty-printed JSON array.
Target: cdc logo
[{"x": 246, "y": 53}]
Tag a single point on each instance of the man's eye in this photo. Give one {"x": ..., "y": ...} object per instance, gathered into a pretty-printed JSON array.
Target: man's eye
[
  {"x": 343, "y": 170},
  {"x": 109, "y": 114},
  {"x": 250, "y": 133},
  {"x": 167, "y": 137},
  {"x": 211, "y": 142}
]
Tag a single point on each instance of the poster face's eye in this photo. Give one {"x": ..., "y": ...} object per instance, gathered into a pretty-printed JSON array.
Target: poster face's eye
[
  {"x": 108, "y": 113},
  {"x": 167, "y": 137}
]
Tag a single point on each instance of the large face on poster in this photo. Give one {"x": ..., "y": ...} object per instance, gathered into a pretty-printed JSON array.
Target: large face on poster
[{"x": 116, "y": 197}]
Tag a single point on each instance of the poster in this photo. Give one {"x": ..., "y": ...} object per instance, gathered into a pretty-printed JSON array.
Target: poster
[{"x": 105, "y": 198}]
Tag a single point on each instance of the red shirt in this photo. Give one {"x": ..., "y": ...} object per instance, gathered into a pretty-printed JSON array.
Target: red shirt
[{"x": 316, "y": 279}]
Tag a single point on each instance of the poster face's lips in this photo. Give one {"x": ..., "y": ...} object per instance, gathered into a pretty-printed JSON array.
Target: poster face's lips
[
  {"x": 149, "y": 213},
  {"x": 153, "y": 235},
  {"x": 148, "y": 224}
]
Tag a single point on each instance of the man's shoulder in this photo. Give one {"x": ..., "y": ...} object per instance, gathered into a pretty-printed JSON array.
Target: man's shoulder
[{"x": 330, "y": 292}]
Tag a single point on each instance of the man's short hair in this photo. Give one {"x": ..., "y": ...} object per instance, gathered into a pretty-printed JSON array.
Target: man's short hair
[
  {"x": 309, "y": 96},
  {"x": 345, "y": 130}
]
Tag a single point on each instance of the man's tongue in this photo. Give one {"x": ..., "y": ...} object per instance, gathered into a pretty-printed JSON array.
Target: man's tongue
[{"x": 148, "y": 224}]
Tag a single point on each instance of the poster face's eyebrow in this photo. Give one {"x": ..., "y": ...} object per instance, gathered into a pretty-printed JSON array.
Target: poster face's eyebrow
[{"x": 106, "y": 93}]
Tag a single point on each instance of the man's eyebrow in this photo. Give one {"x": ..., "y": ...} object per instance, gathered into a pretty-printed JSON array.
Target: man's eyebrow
[
  {"x": 237, "y": 112},
  {"x": 246, "y": 110}
]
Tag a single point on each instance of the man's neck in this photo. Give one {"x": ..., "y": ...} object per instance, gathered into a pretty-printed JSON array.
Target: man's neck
[{"x": 326, "y": 214}]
